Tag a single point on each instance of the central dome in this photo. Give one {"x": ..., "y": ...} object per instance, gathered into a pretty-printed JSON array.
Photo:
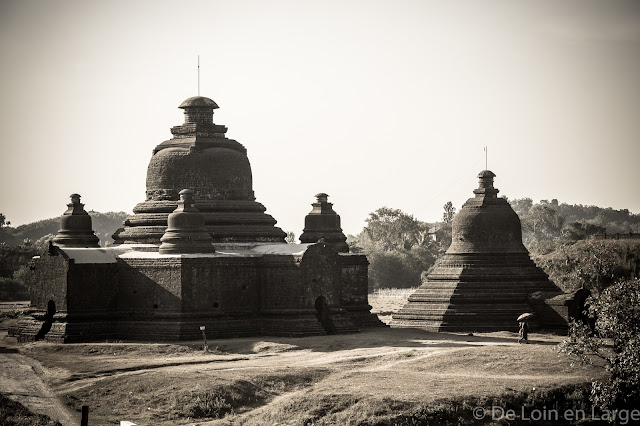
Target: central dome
[
  {"x": 486, "y": 223},
  {"x": 199, "y": 157}
]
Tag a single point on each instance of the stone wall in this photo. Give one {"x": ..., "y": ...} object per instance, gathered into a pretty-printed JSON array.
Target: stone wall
[{"x": 48, "y": 281}]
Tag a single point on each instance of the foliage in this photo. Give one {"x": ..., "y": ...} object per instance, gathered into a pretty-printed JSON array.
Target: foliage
[
  {"x": 290, "y": 238},
  {"x": 399, "y": 269},
  {"x": 444, "y": 228},
  {"x": 392, "y": 229},
  {"x": 551, "y": 220},
  {"x": 464, "y": 410},
  {"x": 354, "y": 244},
  {"x": 12, "y": 290},
  {"x": 541, "y": 222},
  {"x": 14, "y": 413},
  {"x": 581, "y": 230},
  {"x": 614, "y": 342},
  {"x": 592, "y": 264},
  {"x": 399, "y": 248},
  {"x": 14, "y": 268},
  {"x": 14, "y": 257},
  {"x": 449, "y": 213}
]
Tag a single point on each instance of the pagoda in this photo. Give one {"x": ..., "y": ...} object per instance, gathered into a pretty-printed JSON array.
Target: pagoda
[
  {"x": 199, "y": 253},
  {"x": 486, "y": 278}
]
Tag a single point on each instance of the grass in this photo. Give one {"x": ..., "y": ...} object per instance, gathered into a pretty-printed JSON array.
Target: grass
[
  {"x": 15, "y": 414},
  {"x": 554, "y": 401},
  {"x": 376, "y": 377},
  {"x": 386, "y": 301}
]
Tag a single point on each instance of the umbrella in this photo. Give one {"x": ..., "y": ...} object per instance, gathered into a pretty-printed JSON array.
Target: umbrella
[{"x": 525, "y": 316}]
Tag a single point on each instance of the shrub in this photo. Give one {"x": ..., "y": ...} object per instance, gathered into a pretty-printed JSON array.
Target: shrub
[{"x": 614, "y": 343}]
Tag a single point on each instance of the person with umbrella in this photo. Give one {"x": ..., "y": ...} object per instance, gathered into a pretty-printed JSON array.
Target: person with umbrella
[{"x": 524, "y": 328}]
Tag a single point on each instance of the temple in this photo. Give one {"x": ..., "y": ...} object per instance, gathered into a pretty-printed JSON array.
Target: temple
[
  {"x": 486, "y": 278},
  {"x": 200, "y": 251}
]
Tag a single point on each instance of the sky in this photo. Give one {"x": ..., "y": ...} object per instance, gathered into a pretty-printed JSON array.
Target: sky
[{"x": 377, "y": 103}]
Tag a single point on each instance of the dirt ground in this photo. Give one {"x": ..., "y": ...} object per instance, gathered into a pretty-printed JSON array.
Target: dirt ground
[{"x": 342, "y": 379}]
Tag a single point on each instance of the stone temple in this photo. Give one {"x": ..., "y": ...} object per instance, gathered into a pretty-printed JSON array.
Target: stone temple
[
  {"x": 198, "y": 251},
  {"x": 486, "y": 278}
]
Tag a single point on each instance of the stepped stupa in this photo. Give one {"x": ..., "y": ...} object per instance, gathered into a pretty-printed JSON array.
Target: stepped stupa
[
  {"x": 199, "y": 253},
  {"x": 486, "y": 278}
]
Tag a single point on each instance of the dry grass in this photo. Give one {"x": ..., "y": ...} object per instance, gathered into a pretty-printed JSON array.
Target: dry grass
[
  {"x": 365, "y": 378},
  {"x": 385, "y": 302}
]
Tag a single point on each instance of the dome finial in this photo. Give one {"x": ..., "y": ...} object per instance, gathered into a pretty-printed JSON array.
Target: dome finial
[
  {"x": 198, "y": 109},
  {"x": 485, "y": 187}
]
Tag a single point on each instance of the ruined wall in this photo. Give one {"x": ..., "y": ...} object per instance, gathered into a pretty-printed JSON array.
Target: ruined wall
[
  {"x": 355, "y": 281},
  {"x": 320, "y": 268},
  {"x": 48, "y": 281}
]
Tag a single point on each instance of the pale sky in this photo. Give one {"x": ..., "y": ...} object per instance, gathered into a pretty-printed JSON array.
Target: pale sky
[{"x": 377, "y": 103}]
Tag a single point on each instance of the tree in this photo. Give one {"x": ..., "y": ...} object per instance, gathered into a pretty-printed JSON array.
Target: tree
[
  {"x": 521, "y": 206},
  {"x": 443, "y": 233},
  {"x": 3, "y": 221},
  {"x": 290, "y": 238},
  {"x": 393, "y": 229},
  {"x": 449, "y": 213},
  {"x": 614, "y": 343},
  {"x": 581, "y": 230},
  {"x": 543, "y": 222},
  {"x": 398, "y": 246}
]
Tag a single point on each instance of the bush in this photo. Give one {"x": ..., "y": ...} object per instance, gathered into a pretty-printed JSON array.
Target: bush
[
  {"x": 12, "y": 290},
  {"x": 398, "y": 269},
  {"x": 460, "y": 411},
  {"x": 14, "y": 413},
  {"x": 613, "y": 343},
  {"x": 592, "y": 264}
]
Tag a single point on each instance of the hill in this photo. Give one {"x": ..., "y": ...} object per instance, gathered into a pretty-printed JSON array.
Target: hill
[{"x": 104, "y": 225}]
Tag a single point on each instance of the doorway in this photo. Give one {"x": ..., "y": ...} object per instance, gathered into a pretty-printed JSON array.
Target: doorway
[
  {"x": 48, "y": 320},
  {"x": 324, "y": 316}
]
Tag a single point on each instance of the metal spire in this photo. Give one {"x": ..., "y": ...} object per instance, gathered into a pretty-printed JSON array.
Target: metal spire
[{"x": 486, "y": 160}]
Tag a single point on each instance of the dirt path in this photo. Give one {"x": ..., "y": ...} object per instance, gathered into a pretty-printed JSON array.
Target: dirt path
[
  {"x": 22, "y": 380},
  {"x": 411, "y": 366}
]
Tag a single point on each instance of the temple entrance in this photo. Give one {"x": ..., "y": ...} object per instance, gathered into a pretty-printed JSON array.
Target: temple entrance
[
  {"x": 48, "y": 320},
  {"x": 323, "y": 315}
]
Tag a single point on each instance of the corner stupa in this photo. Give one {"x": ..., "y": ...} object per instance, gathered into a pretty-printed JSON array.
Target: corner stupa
[
  {"x": 485, "y": 279},
  {"x": 75, "y": 227},
  {"x": 323, "y": 222}
]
